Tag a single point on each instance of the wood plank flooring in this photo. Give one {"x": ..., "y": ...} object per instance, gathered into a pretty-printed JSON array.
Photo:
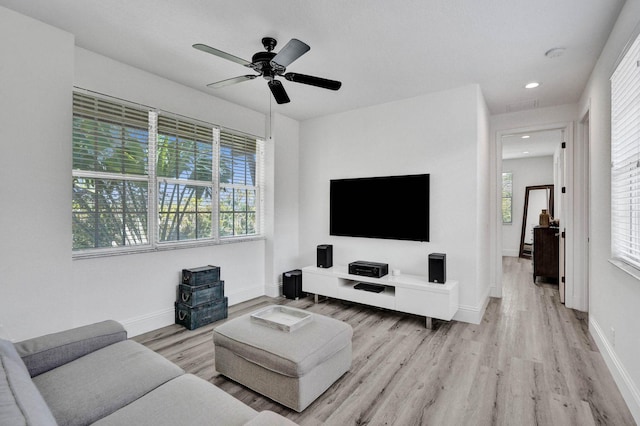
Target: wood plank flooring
[{"x": 530, "y": 362}]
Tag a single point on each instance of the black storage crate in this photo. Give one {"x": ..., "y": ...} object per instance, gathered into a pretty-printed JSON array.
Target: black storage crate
[
  {"x": 197, "y": 316},
  {"x": 202, "y": 275},
  {"x": 196, "y": 295}
]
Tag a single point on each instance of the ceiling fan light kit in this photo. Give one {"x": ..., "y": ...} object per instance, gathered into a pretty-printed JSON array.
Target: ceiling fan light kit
[{"x": 270, "y": 65}]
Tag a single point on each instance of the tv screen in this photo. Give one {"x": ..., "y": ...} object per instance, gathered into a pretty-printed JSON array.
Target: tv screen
[{"x": 390, "y": 207}]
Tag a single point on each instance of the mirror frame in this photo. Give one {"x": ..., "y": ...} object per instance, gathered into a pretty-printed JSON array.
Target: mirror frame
[{"x": 524, "y": 214}]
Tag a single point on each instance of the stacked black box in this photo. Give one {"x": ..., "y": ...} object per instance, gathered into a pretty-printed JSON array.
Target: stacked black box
[{"x": 200, "y": 299}]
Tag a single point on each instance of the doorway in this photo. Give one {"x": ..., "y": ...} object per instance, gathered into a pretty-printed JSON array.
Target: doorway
[{"x": 512, "y": 144}]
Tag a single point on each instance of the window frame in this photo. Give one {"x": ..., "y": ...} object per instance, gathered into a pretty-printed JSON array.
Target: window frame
[
  {"x": 510, "y": 197},
  {"x": 625, "y": 160},
  {"x": 153, "y": 181}
]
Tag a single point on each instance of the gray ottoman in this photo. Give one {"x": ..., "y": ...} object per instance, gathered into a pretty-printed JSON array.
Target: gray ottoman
[{"x": 292, "y": 368}]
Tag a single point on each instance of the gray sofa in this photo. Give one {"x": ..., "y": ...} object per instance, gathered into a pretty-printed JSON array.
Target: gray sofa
[{"x": 94, "y": 375}]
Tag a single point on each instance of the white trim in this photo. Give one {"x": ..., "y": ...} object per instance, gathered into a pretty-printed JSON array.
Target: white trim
[
  {"x": 246, "y": 293},
  {"x": 579, "y": 298},
  {"x": 625, "y": 267},
  {"x": 149, "y": 322},
  {"x": 273, "y": 290},
  {"x": 627, "y": 387},
  {"x": 474, "y": 314},
  {"x": 567, "y": 221},
  {"x": 164, "y": 317}
]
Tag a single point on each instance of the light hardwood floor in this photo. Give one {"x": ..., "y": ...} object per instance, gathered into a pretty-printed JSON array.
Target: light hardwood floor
[{"x": 530, "y": 362}]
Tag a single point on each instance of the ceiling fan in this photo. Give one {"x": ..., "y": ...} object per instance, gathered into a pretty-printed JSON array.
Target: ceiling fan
[{"x": 269, "y": 65}]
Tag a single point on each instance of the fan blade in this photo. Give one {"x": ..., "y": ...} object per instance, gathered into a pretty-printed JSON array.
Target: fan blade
[
  {"x": 290, "y": 52},
  {"x": 230, "y": 81},
  {"x": 313, "y": 81},
  {"x": 278, "y": 91},
  {"x": 221, "y": 54}
]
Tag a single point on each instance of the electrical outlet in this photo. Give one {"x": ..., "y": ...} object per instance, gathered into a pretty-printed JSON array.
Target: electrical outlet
[{"x": 613, "y": 337}]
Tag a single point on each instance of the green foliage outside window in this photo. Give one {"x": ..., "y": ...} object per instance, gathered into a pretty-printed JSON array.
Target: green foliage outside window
[
  {"x": 507, "y": 195},
  {"x": 111, "y": 178}
]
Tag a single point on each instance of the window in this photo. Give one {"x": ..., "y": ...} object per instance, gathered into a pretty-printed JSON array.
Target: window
[
  {"x": 144, "y": 178},
  {"x": 110, "y": 174},
  {"x": 238, "y": 187},
  {"x": 507, "y": 195},
  {"x": 625, "y": 158},
  {"x": 184, "y": 166}
]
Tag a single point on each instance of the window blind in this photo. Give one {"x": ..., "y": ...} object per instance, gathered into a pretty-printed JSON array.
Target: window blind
[
  {"x": 109, "y": 137},
  {"x": 237, "y": 158},
  {"x": 239, "y": 199},
  {"x": 625, "y": 158},
  {"x": 144, "y": 177},
  {"x": 110, "y": 173},
  {"x": 184, "y": 149},
  {"x": 185, "y": 165}
]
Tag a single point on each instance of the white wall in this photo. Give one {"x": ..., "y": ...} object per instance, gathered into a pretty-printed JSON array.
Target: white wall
[
  {"x": 438, "y": 134},
  {"x": 36, "y": 75},
  {"x": 614, "y": 297},
  {"x": 139, "y": 290},
  {"x": 42, "y": 289},
  {"x": 526, "y": 172},
  {"x": 484, "y": 177},
  {"x": 286, "y": 217}
]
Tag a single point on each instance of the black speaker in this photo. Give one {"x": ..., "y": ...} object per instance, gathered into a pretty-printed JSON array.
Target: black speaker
[
  {"x": 438, "y": 268},
  {"x": 325, "y": 256},
  {"x": 292, "y": 284}
]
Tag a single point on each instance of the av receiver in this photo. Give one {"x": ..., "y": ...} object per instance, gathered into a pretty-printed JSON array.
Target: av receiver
[{"x": 368, "y": 269}]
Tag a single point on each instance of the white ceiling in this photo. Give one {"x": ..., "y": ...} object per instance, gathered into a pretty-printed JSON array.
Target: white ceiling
[
  {"x": 381, "y": 50},
  {"x": 537, "y": 144}
]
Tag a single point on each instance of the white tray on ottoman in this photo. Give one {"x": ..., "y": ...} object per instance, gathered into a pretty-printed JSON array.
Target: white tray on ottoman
[
  {"x": 282, "y": 318},
  {"x": 292, "y": 368}
]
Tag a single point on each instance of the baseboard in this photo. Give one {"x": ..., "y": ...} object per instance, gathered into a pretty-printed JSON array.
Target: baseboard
[
  {"x": 493, "y": 292},
  {"x": 274, "y": 290},
  {"x": 510, "y": 253},
  {"x": 162, "y": 318},
  {"x": 473, "y": 314},
  {"x": 149, "y": 322},
  {"x": 625, "y": 383},
  {"x": 245, "y": 294}
]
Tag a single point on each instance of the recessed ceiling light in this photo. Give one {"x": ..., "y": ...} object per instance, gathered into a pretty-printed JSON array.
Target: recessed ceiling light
[
  {"x": 525, "y": 152},
  {"x": 525, "y": 137},
  {"x": 532, "y": 85}
]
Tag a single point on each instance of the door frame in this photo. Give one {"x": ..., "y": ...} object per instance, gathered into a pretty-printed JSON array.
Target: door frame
[{"x": 567, "y": 202}]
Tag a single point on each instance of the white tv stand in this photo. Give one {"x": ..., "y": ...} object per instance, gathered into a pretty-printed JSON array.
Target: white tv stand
[{"x": 411, "y": 294}]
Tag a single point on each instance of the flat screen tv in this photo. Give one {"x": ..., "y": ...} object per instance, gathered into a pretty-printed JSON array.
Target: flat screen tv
[{"x": 389, "y": 207}]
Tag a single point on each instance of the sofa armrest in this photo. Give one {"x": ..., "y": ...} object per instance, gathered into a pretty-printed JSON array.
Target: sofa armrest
[
  {"x": 45, "y": 353},
  {"x": 269, "y": 418}
]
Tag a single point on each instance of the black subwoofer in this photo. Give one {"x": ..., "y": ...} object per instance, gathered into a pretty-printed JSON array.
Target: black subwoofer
[
  {"x": 438, "y": 268},
  {"x": 325, "y": 256},
  {"x": 292, "y": 284}
]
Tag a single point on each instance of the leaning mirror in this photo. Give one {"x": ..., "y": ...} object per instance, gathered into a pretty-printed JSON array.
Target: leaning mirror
[{"x": 536, "y": 199}]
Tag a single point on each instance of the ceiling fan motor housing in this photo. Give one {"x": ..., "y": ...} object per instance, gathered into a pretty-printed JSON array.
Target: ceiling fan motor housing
[{"x": 261, "y": 62}]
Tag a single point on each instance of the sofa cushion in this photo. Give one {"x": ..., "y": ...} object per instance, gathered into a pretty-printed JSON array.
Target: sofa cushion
[
  {"x": 291, "y": 354},
  {"x": 20, "y": 401},
  {"x": 44, "y": 353},
  {"x": 8, "y": 349},
  {"x": 185, "y": 400},
  {"x": 97, "y": 384}
]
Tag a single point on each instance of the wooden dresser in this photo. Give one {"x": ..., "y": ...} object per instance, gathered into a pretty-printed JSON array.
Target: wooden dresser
[{"x": 546, "y": 256}]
